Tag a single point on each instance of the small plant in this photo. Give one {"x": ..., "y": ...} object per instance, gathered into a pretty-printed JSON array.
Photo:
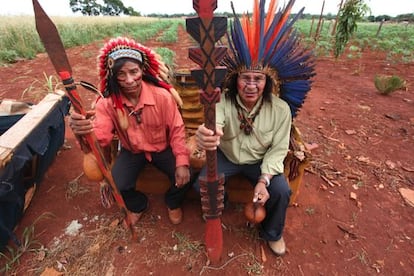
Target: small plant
[
  {"x": 39, "y": 88},
  {"x": 310, "y": 211},
  {"x": 388, "y": 84},
  {"x": 51, "y": 83},
  {"x": 354, "y": 52},
  {"x": 349, "y": 14},
  {"x": 28, "y": 243}
]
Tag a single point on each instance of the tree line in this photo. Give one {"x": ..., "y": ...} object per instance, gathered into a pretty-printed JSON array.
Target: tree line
[{"x": 116, "y": 8}]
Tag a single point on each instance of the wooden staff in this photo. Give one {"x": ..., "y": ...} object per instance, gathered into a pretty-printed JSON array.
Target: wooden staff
[
  {"x": 57, "y": 54},
  {"x": 207, "y": 30}
]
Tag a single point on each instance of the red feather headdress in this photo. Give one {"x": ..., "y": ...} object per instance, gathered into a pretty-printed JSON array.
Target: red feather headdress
[
  {"x": 154, "y": 69},
  {"x": 118, "y": 48}
]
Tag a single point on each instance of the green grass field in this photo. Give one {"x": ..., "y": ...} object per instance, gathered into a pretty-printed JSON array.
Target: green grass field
[{"x": 19, "y": 39}]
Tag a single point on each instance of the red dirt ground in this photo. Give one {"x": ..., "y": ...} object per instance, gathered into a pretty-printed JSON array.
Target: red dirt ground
[{"x": 365, "y": 147}]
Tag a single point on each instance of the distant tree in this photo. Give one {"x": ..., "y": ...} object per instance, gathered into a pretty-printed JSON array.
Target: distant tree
[
  {"x": 130, "y": 11},
  {"x": 113, "y": 7},
  {"x": 86, "y": 7},
  {"x": 381, "y": 18},
  {"x": 110, "y": 7},
  {"x": 349, "y": 14},
  {"x": 405, "y": 17}
]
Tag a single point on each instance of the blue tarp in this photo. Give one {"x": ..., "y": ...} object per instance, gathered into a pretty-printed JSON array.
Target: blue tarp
[{"x": 43, "y": 143}]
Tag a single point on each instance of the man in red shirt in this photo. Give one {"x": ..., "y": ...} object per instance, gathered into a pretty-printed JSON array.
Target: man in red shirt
[{"x": 140, "y": 110}]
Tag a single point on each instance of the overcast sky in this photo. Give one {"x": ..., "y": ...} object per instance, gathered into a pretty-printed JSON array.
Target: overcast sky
[{"x": 61, "y": 7}]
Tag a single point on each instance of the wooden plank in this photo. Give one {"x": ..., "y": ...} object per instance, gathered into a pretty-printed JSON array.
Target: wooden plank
[
  {"x": 15, "y": 135},
  {"x": 153, "y": 181}
]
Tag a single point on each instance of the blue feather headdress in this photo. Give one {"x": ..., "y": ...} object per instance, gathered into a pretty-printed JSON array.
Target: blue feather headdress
[{"x": 268, "y": 43}]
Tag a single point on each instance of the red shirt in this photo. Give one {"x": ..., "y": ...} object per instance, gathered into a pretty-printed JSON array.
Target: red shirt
[{"x": 161, "y": 124}]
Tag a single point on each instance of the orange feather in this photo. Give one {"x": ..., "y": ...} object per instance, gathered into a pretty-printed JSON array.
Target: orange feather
[
  {"x": 282, "y": 21},
  {"x": 270, "y": 14},
  {"x": 255, "y": 31}
]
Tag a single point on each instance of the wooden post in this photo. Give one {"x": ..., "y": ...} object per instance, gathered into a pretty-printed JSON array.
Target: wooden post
[
  {"x": 318, "y": 28},
  {"x": 379, "y": 28}
]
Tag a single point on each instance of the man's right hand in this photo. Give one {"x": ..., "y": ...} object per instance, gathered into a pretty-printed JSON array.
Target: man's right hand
[
  {"x": 81, "y": 124},
  {"x": 206, "y": 139}
]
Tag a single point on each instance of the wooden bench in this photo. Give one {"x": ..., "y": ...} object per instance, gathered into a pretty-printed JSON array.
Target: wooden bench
[{"x": 238, "y": 187}]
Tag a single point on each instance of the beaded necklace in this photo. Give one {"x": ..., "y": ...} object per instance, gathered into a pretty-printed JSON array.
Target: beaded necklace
[{"x": 246, "y": 123}]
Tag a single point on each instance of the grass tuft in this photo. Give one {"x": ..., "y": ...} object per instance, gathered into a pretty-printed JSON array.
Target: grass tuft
[
  {"x": 388, "y": 84},
  {"x": 28, "y": 243}
]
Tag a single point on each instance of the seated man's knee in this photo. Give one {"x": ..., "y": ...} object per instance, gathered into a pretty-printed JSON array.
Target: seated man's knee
[{"x": 280, "y": 186}]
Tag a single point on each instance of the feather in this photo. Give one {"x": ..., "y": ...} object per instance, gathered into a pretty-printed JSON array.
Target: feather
[
  {"x": 260, "y": 31},
  {"x": 270, "y": 14},
  {"x": 240, "y": 42},
  {"x": 255, "y": 31},
  {"x": 284, "y": 17}
]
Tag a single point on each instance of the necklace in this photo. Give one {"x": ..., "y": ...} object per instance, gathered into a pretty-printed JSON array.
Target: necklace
[
  {"x": 137, "y": 113},
  {"x": 246, "y": 123}
]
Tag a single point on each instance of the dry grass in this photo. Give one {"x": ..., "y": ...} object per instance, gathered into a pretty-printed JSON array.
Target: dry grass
[
  {"x": 84, "y": 254},
  {"x": 74, "y": 188},
  {"x": 17, "y": 21}
]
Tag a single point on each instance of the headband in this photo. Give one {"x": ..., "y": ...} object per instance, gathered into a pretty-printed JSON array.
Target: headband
[{"x": 123, "y": 53}]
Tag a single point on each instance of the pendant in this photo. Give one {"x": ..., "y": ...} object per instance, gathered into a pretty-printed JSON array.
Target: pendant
[
  {"x": 137, "y": 115},
  {"x": 248, "y": 129}
]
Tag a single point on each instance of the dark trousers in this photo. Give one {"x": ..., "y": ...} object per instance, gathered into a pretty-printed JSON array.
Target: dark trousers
[
  {"x": 272, "y": 226},
  {"x": 127, "y": 168}
]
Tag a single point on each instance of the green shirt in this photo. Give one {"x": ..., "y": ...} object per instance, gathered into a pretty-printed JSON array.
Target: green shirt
[{"x": 269, "y": 140}]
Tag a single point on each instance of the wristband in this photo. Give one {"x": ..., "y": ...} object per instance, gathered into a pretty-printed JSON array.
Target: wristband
[{"x": 266, "y": 179}]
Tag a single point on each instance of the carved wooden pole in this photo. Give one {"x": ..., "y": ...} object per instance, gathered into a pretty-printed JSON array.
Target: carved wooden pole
[{"x": 207, "y": 30}]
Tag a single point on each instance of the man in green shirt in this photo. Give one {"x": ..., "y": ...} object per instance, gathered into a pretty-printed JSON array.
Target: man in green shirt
[
  {"x": 252, "y": 138},
  {"x": 266, "y": 83}
]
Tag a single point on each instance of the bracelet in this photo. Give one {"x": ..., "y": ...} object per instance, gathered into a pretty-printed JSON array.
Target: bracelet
[{"x": 266, "y": 180}]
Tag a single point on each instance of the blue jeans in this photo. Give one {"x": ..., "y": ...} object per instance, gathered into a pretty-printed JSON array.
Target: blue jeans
[
  {"x": 271, "y": 228},
  {"x": 127, "y": 168}
]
